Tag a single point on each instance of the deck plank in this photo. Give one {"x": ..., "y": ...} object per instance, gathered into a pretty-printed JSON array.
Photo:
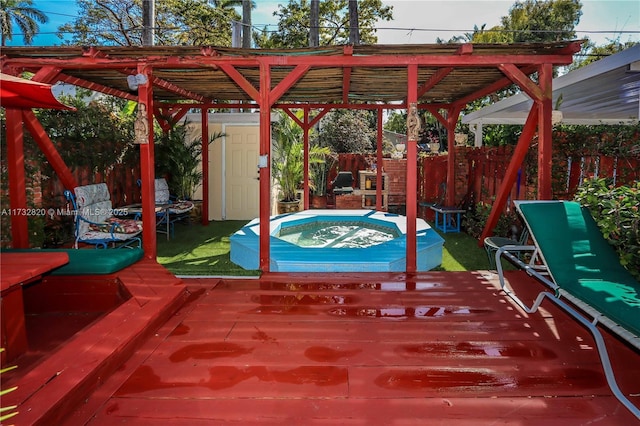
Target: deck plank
[{"x": 315, "y": 350}]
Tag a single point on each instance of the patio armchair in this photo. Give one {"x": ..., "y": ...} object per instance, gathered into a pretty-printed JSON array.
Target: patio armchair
[
  {"x": 169, "y": 209},
  {"x": 97, "y": 222}
]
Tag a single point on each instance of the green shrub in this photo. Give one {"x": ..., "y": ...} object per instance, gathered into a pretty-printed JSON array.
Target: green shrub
[
  {"x": 615, "y": 210},
  {"x": 508, "y": 225}
]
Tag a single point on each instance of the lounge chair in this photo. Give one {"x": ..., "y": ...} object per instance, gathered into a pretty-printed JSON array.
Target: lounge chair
[
  {"x": 582, "y": 268},
  {"x": 169, "y": 209},
  {"x": 492, "y": 244},
  {"x": 96, "y": 222}
]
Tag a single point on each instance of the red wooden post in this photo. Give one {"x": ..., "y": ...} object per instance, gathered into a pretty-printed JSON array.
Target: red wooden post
[
  {"x": 17, "y": 190},
  {"x": 379, "y": 163},
  {"x": 451, "y": 161},
  {"x": 205, "y": 165},
  {"x": 412, "y": 164},
  {"x": 545, "y": 140},
  {"x": 147, "y": 170},
  {"x": 305, "y": 132},
  {"x": 265, "y": 175}
]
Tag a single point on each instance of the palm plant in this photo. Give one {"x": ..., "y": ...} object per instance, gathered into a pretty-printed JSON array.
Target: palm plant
[
  {"x": 179, "y": 157},
  {"x": 288, "y": 156},
  {"x": 24, "y": 15}
]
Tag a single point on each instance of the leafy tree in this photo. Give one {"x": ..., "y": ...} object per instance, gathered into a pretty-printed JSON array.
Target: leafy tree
[
  {"x": 178, "y": 22},
  {"x": 24, "y": 15},
  {"x": 534, "y": 21},
  {"x": 590, "y": 52},
  {"x": 397, "y": 122},
  {"x": 347, "y": 131},
  {"x": 96, "y": 123},
  {"x": 527, "y": 21},
  {"x": 294, "y": 23}
]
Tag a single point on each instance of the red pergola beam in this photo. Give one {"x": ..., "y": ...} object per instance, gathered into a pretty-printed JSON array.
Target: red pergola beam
[
  {"x": 15, "y": 166},
  {"x": 239, "y": 79},
  {"x": 48, "y": 148},
  {"x": 159, "y": 82},
  {"x": 168, "y": 116},
  {"x": 522, "y": 80},
  {"x": 500, "y": 84},
  {"x": 433, "y": 80},
  {"x": 47, "y": 74},
  {"x": 511, "y": 174},
  {"x": 286, "y": 83},
  {"x": 96, "y": 87},
  {"x": 161, "y": 62}
]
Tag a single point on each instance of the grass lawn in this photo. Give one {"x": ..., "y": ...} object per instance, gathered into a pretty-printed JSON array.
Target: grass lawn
[{"x": 204, "y": 250}]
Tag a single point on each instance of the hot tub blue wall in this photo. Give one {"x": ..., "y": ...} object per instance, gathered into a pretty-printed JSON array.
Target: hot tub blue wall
[{"x": 386, "y": 257}]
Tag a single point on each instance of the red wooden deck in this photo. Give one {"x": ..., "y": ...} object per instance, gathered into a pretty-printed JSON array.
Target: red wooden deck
[{"x": 443, "y": 348}]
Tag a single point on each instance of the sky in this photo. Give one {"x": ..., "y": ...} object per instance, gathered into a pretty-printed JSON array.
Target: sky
[{"x": 416, "y": 21}]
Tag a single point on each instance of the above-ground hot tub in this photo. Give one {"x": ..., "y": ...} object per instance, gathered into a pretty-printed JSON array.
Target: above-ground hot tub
[{"x": 337, "y": 241}]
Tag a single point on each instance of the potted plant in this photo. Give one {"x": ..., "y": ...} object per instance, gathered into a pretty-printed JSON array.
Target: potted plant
[
  {"x": 288, "y": 161},
  {"x": 179, "y": 157},
  {"x": 319, "y": 175}
]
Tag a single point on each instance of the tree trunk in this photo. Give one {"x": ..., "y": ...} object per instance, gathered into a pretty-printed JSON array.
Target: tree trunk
[
  {"x": 354, "y": 30},
  {"x": 246, "y": 24},
  {"x": 314, "y": 33}
]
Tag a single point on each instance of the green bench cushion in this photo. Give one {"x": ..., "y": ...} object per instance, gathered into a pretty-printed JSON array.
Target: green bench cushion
[
  {"x": 93, "y": 262},
  {"x": 582, "y": 262}
]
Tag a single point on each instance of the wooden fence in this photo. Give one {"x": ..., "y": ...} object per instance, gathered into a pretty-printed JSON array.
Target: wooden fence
[
  {"x": 121, "y": 180},
  {"x": 480, "y": 173}
]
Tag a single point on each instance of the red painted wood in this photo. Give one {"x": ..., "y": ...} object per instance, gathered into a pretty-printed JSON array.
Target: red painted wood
[
  {"x": 379, "y": 159},
  {"x": 412, "y": 171},
  {"x": 49, "y": 150},
  {"x": 49, "y": 391},
  {"x": 233, "y": 73},
  {"x": 147, "y": 169},
  {"x": 13, "y": 332},
  {"x": 97, "y": 87},
  {"x": 15, "y": 168},
  {"x": 545, "y": 142},
  {"x": 512, "y": 171},
  {"x": 265, "y": 172},
  {"x": 19, "y": 269},
  {"x": 205, "y": 165},
  {"x": 332, "y": 348},
  {"x": 288, "y": 81},
  {"x": 450, "y": 124}
]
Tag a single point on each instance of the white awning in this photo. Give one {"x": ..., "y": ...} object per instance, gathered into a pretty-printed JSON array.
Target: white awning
[{"x": 604, "y": 92}]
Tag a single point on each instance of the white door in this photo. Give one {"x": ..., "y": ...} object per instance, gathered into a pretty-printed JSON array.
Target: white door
[{"x": 241, "y": 186}]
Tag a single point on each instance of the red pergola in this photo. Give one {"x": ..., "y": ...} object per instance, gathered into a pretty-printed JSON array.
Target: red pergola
[{"x": 441, "y": 79}]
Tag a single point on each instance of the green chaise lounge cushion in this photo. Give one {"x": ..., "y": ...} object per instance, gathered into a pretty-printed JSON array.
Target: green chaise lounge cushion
[{"x": 582, "y": 262}]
